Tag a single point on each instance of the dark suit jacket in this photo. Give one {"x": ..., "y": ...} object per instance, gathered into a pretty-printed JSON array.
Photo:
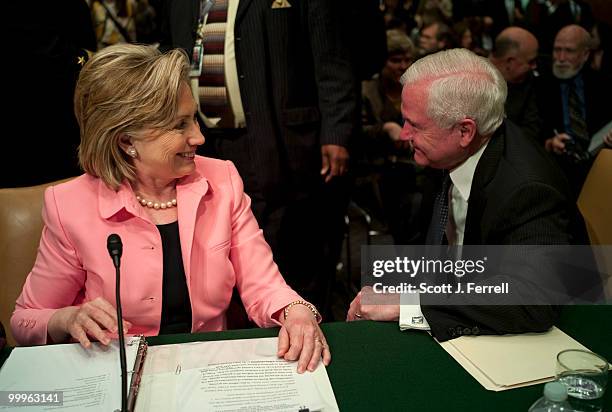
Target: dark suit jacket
[
  {"x": 550, "y": 24},
  {"x": 518, "y": 197},
  {"x": 522, "y": 107},
  {"x": 597, "y": 89},
  {"x": 296, "y": 84}
]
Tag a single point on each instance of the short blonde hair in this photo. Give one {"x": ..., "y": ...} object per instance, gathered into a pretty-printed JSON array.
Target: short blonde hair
[
  {"x": 122, "y": 90},
  {"x": 463, "y": 85}
]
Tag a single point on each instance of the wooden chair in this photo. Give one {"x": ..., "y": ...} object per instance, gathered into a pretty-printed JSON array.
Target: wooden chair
[{"x": 595, "y": 202}]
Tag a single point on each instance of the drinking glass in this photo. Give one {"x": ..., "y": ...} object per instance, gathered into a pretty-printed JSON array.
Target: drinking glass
[{"x": 585, "y": 375}]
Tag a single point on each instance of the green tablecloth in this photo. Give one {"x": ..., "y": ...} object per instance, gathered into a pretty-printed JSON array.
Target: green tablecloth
[{"x": 377, "y": 367}]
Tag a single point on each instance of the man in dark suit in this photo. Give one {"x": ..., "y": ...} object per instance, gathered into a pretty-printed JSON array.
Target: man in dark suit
[
  {"x": 515, "y": 55},
  {"x": 453, "y": 106},
  {"x": 557, "y": 14},
  {"x": 574, "y": 104},
  {"x": 295, "y": 95}
]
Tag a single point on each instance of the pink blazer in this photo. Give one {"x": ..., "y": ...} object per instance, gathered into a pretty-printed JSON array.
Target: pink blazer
[{"x": 221, "y": 244}]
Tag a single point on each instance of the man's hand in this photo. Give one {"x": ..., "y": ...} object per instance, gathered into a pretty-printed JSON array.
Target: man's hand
[
  {"x": 334, "y": 161},
  {"x": 386, "y": 307},
  {"x": 556, "y": 144}
]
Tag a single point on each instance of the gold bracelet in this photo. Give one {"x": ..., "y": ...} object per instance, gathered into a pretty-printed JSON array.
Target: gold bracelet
[{"x": 310, "y": 306}]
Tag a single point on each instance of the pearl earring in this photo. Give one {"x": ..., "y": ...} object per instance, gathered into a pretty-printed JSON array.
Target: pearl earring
[{"x": 131, "y": 151}]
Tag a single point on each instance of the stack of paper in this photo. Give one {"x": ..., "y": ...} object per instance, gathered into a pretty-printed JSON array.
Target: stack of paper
[
  {"x": 511, "y": 361},
  {"x": 87, "y": 379}
]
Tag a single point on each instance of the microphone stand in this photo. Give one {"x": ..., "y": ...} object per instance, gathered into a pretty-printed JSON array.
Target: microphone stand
[
  {"x": 115, "y": 250},
  {"x": 122, "y": 357}
]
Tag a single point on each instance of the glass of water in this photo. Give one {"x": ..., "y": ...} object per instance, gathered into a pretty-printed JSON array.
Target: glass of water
[{"x": 585, "y": 375}]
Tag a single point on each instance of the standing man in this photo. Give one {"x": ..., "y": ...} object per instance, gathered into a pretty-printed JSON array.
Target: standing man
[
  {"x": 276, "y": 91},
  {"x": 576, "y": 104},
  {"x": 515, "y": 56},
  {"x": 498, "y": 188}
]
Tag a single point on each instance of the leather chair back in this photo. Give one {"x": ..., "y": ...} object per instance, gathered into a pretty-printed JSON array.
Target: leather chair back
[
  {"x": 594, "y": 202},
  {"x": 20, "y": 230}
]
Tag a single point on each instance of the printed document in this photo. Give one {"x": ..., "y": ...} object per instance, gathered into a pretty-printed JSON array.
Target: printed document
[
  {"x": 89, "y": 379},
  {"x": 232, "y": 375}
]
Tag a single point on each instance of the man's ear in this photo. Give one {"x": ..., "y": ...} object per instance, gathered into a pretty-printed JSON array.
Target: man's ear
[
  {"x": 468, "y": 130},
  {"x": 585, "y": 55}
]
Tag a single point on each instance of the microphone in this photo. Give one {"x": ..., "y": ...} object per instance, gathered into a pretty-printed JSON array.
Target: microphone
[{"x": 115, "y": 249}]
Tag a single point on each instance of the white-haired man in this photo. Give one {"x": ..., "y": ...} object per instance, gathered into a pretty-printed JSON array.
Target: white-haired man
[
  {"x": 576, "y": 103},
  {"x": 503, "y": 190}
]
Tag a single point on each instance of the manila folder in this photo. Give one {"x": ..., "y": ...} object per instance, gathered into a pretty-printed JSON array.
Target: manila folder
[{"x": 511, "y": 361}]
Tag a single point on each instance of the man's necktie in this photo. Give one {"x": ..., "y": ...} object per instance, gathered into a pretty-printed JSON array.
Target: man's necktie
[
  {"x": 577, "y": 121},
  {"x": 439, "y": 218},
  {"x": 214, "y": 100}
]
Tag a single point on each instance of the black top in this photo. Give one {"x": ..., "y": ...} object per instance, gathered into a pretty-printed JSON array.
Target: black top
[{"x": 176, "y": 306}]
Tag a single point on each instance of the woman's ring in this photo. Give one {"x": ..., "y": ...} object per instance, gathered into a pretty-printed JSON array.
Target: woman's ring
[
  {"x": 358, "y": 315},
  {"x": 318, "y": 340}
]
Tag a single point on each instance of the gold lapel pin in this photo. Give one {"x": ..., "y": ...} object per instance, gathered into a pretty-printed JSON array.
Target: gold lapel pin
[{"x": 280, "y": 4}]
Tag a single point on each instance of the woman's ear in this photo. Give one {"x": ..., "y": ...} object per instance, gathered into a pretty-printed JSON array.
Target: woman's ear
[{"x": 125, "y": 143}]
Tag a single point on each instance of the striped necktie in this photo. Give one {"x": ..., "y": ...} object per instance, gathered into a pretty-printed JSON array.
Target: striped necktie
[
  {"x": 576, "y": 117},
  {"x": 214, "y": 98},
  {"x": 439, "y": 218}
]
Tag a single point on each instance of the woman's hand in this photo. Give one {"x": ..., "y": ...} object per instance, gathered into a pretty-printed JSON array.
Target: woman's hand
[
  {"x": 301, "y": 339},
  {"x": 96, "y": 318}
]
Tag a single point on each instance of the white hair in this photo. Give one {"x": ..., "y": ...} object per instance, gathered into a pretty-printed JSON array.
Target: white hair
[{"x": 463, "y": 85}]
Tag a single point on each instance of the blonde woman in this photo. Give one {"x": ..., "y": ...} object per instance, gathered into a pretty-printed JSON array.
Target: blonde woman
[{"x": 188, "y": 232}]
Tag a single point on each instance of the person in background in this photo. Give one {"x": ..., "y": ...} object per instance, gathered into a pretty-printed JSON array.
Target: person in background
[
  {"x": 188, "y": 231},
  {"x": 382, "y": 120},
  {"x": 282, "y": 106},
  {"x": 515, "y": 56},
  {"x": 114, "y": 21},
  {"x": 467, "y": 35},
  {"x": 434, "y": 36},
  {"x": 453, "y": 107},
  {"x": 601, "y": 56},
  {"x": 574, "y": 103},
  {"x": 556, "y": 14},
  {"x": 399, "y": 14},
  {"x": 442, "y": 9},
  {"x": 463, "y": 34}
]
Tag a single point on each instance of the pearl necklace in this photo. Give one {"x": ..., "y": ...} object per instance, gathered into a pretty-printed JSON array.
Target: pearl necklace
[{"x": 156, "y": 205}]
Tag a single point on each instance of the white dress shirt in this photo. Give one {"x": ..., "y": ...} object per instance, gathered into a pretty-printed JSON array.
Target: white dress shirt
[{"x": 411, "y": 316}]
